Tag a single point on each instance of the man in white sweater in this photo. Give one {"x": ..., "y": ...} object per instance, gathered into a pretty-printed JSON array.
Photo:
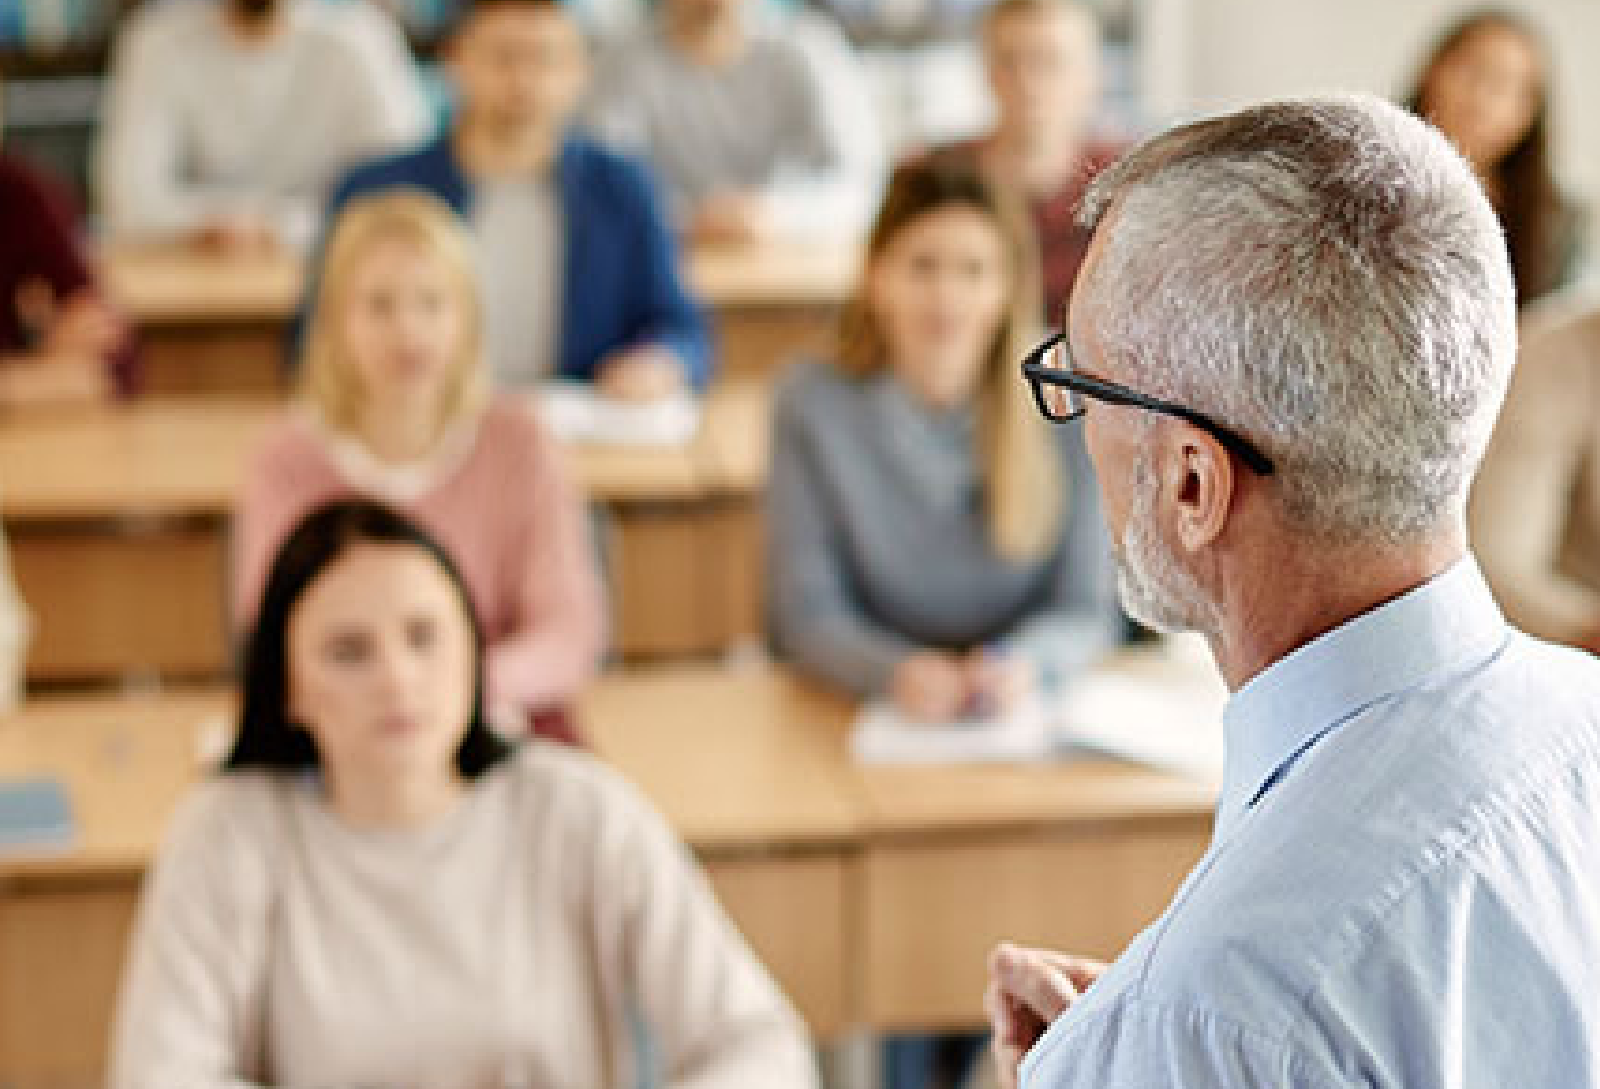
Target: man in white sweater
[{"x": 226, "y": 121}]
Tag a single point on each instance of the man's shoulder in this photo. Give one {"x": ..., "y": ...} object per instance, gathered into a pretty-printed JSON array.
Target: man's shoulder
[{"x": 422, "y": 167}]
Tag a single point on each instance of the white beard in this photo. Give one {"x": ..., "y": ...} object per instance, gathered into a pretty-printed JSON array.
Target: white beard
[{"x": 1157, "y": 590}]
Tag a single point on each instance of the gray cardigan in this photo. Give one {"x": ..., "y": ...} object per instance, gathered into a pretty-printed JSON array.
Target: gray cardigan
[{"x": 877, "y": 546}]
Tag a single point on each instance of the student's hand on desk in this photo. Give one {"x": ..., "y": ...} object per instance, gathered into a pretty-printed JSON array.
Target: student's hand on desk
[
  {"x": 236, "y": 234},
  {"x": 728, "y": 219},
  {"x": 1028, "y": 989},
  {"x": 648, "y": 373},
  {"x": 997, "y": 682},
  {"x": 930, "y": 686},
  {"x": 82, "y": 326}
]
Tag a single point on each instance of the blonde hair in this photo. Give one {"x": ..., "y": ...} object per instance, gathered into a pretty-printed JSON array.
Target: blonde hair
[
  {"x": 1018, "y": 465},
  {"x": 327, "y": 379}
]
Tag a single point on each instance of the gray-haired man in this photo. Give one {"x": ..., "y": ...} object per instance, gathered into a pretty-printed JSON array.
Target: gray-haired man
[{"x": 1288, "y": 343}]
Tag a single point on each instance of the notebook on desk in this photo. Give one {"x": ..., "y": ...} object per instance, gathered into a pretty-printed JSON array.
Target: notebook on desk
[
  {"x": 1164, "y": 717},
  {"x": 577, "y": 412},
  {"x": 35, "y": 817}
]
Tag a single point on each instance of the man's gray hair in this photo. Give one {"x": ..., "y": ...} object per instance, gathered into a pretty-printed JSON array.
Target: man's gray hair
[{"x": 1327, "y": 277}]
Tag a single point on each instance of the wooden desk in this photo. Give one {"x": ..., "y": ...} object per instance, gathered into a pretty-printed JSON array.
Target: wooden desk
[
  {"x": 215, "y": 324},
  {"x": 206, "y": 323},
  {"x": 873, "y": 894},
  {"x": 118, "y": 518},
  {"x": 772, "y": 303}
]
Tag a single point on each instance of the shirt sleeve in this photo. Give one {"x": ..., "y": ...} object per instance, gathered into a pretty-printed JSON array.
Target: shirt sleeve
[
  {"x": 190, "y": 1008},
  {"x": 139, "y": 165},
  {"x": 665, "y": 314},
  {"x": 830, "y": 187},
  {"x": 813, "y": 613},
  {"x": 1137, "y": 1044},
  {"x": 1081, "y": 620},
  {"x": 41, "y": 226},
  {"x": 556, "y": 645},
  {"x": 710, "y": 1007},
  {"x": 1522, "y": 498}
]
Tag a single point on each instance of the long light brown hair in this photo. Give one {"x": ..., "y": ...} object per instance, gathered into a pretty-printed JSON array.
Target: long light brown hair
[
  {"x": 1531, "y": 207},
  {"x": 327, "y": 378},
  {"x": 1018, "y": 464}
]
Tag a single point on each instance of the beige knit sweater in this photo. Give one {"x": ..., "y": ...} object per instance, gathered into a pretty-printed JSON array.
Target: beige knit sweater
[
  {"x": 501, "y": 947},
  {"x": 1536, "y": 503}
]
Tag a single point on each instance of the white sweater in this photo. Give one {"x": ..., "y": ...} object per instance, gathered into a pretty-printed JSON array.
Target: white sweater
[
  {"x": 503, "y": 946},
  {"x": 199, "y": 123}
]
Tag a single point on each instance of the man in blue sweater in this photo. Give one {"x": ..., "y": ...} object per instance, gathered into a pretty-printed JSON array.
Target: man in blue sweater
[{"x": 579, "y": 268}]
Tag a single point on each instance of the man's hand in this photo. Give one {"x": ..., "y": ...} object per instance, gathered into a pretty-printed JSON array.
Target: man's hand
[
  {"x": 1028, "y": 989},
  {"x": 728, "y": 219},
  {"x": 648, "y": 373},
  {"x": 236, "y": 234}
]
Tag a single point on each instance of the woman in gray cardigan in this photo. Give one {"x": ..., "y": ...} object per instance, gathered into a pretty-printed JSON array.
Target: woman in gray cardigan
[{"x": 929, "y": 537}]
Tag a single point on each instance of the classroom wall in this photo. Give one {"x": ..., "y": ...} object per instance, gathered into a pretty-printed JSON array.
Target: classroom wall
[{"x": 1206, "y": 55}]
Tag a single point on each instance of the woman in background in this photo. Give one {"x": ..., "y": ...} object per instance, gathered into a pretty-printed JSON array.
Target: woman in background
[
  {"x": 59, "y": 341},
  {"x": 1486, "y": 85},
  {"x": 380, "y": 892},
  {"x": 394, "y": 405},
  {"x": 918, "y": 545}
]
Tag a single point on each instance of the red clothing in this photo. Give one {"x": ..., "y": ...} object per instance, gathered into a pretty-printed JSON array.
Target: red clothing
[
  {"x": 41, "y": 245},
  {"x": 1062, "y": 243},
  {"x": 500, "y": 502}
]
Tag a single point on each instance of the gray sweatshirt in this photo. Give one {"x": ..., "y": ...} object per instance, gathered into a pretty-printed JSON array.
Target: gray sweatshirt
[{"x": 878, "y": 545}]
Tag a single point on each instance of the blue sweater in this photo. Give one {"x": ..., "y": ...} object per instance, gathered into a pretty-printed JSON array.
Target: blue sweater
[{"x": 621, "y": 288}]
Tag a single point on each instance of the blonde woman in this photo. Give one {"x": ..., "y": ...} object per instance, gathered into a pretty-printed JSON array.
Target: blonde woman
[{"x": 394, "y": 404}]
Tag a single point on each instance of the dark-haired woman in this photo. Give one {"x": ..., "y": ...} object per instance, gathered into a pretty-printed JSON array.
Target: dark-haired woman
[
  {"x": 379, "y": 893},
  {"x": 1486, "y": 85}
]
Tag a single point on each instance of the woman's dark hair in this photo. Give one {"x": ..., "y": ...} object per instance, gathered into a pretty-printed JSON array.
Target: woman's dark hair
[
  {"x": 267, "y": 737},
  {"x": 1532, "y": 211}
]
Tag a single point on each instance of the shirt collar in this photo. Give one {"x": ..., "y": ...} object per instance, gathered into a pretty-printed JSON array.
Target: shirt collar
[{"x": 1449, "y": 621}]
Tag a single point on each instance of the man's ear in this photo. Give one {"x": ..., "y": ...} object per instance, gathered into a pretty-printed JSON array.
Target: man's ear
[{"x": 1202, "y": 486}]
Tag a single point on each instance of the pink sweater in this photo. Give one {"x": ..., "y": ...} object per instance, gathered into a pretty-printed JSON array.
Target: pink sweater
[{"x": 499, "y": 501}]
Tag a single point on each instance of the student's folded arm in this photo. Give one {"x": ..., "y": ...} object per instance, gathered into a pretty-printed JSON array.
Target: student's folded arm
[
  {"x": 556, "y": 647},
  {"x": 664, "y": 313},
  {"x": 1523, "y": 496},
  {"x": 190, "y": 1010},
  {"x": 814, "y": 618},
  {"x": 711, "y": 1008}
]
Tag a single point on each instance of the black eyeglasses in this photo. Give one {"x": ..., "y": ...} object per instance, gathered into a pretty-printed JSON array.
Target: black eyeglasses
[{"x": 1060, "y": 391}]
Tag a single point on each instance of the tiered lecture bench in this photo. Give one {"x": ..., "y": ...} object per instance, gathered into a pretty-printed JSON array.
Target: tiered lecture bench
[
  {"x": 872, "y": 893},
  {"x": 118, "y": 520},
  {"x": 219, "y": 324}
]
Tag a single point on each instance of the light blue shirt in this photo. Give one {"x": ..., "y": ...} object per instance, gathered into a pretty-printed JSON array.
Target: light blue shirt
[{"x": 1404, "y": 884}]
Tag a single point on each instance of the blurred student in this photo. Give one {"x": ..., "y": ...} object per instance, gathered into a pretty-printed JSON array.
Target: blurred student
[
  {"x": 579, "y": 269},
  {"x": 378, "y": 891},
  {"x": 758, "y": 124},
  {"x": 1486, "y": 85},
  {"x": 1536, "y": 500},
  {"x": 918, "y": 545},
  {"x": 227, "y": 120},
  {"x": 59, "y": 341},
  {"x": 394, "y": 404},
  {"x": 1042, "y": 58}
]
